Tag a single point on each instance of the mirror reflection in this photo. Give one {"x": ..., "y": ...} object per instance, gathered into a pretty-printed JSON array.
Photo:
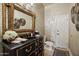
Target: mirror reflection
[{"x": 22, "y": 20}]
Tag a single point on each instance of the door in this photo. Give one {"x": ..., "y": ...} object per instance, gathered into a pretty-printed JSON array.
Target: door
[{"x": 61, "y": 31}]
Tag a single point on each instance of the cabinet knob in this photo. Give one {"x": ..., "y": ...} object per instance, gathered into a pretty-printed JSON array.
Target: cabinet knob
[
  {"x": 35, "y": 52},
  {"x": 40, "y": 41},
  {"x": 28, "y": 50}
]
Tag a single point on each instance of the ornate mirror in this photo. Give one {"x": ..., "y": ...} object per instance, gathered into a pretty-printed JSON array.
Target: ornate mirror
[
  {"x": 19, "y": 18},
  {"x": 23, "y": 20}
]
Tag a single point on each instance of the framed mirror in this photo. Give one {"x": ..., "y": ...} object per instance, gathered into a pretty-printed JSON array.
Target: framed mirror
[
  {"x": 23, "y": 20},
  {"x": 19, "y": 19}
]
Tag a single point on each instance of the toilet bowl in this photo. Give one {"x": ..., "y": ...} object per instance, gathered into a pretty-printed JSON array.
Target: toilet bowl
[{"x": 48, "y": 48}]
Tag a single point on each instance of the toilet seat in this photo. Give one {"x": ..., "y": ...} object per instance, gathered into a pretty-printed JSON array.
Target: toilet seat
[{"x": 49, "y": 43}]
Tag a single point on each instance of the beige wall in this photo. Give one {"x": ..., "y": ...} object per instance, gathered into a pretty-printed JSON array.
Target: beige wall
[
  {"x": 0, "y": 19},
  {"x": 74, "y": 39},
  {"x": 38, "y": 9},
  {"x": 0, "y": 26}
]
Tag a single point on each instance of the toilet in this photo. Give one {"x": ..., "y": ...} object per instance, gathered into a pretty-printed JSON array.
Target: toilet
[{"x": 48, "y": 47}]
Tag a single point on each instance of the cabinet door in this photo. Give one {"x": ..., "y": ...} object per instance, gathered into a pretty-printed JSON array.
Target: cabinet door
[
  {"x": 26, "y": 50},
  {"x": 41, "y": 50},
  {"x": 40, "y": 42},
  {"x": 40, "y": 54},
  {"x": 36, "y": 43},
  {"x": 32, "y": 54},
  {"x": 36, "y": 52}
]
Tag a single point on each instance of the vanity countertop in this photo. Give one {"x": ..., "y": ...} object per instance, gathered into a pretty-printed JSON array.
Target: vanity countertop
[{"x": 12, "y": 46}]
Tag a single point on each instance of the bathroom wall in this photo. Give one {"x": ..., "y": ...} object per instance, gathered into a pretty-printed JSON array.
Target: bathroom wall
[
  {"x": 51, "y": 11},
  {"x": 38, "y": 9},
  {"x": 0, "y": 27},
  {"x": 74, "y": 39}
]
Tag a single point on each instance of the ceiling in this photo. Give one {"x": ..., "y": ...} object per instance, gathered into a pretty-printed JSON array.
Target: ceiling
[{"x": 46, "y": 4}]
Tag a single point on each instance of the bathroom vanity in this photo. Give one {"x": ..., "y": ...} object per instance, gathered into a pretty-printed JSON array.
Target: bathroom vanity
[
  {"x": 31, "y": 47},
  {"x": 20, "y": 20}
]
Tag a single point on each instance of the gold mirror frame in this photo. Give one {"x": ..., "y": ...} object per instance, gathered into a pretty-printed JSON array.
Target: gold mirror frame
[
  {"x": 11, "y": 18},
  {"x": 3, "y": 18},
  {"x": 4, "y": 8}
]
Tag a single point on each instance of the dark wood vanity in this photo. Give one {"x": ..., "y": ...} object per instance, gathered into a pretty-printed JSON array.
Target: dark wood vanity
[{"x": 31, "y": 47}]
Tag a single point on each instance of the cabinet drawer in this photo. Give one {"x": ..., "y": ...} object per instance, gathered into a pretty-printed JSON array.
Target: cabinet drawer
[
  {"x": 37, "y": 43},
  {"x": 26, "y": 50},
  {"x": 32, "y": 54},
  {"x": 40, "y": 42},
  {"x": 40, "y": 49},
  {"x": 40, "y": 54},
  {"x": 37, "y": 52}
]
